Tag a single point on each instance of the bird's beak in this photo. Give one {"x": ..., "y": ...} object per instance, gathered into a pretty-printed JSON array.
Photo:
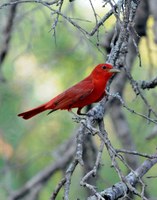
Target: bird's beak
[{"x": 114, "y": 70}]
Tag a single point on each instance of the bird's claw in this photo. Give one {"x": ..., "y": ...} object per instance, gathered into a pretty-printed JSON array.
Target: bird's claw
[{"x": 78, "y": 119}]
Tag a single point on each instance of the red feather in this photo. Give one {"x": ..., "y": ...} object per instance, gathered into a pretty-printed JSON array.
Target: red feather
[{"x": 87, "y": 91}]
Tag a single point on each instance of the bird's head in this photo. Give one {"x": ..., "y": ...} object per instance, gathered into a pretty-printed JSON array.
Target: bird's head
[{"x": 104, "y": 70}]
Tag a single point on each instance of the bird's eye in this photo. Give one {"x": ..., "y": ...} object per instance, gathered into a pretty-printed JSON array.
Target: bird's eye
[{"x": 104, "y": 67}]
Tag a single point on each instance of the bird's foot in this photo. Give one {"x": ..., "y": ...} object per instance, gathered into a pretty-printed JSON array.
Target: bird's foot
[{"x": 77, "y": 118}]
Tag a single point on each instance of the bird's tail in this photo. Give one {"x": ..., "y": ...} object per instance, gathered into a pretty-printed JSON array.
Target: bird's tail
[{"x": 33, "y": 112}]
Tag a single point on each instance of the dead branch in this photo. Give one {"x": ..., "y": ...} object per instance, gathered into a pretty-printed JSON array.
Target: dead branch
[
  {"x": 7, "y": 34},
  {"x": 149, "y": 84},
  {"x": 120, "y": 189},
  {"x": 41, "y": 178}
]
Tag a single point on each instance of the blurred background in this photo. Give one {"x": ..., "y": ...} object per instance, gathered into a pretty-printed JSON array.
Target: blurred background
[{"x": 40, "y": 63}]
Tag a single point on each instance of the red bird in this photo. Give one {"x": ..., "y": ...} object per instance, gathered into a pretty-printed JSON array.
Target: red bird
[{"x": 89, "y": 90}]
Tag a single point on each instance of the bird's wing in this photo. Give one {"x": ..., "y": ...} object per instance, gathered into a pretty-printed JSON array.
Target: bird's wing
[{"x": 75, "y": 93}]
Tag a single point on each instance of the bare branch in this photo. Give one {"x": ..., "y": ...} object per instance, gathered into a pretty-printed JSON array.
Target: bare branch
[
  {"x": 120, "y": 189},
  {"x": 48, "y": 5},
  {"x": 149, "y": 84},
  {"x": 68, "y": 176},
  {"x": 58, "y": 188},
  {"x": 43, "y": 176},
  {"x": 28, "y": 1},
  {"x": 7, "y": 33},
  {"x": 136, "y": 153}
]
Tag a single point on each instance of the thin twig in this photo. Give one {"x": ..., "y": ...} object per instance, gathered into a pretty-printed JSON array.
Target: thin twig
[
  {"x": 68, "y": 176},
  {"x": 148, "y": 84},
  {"x": 137, "y": 91},
  {"x": 93, "y": 172},
  {"x": 136, "y": 153},
  {"x": 117, "y": 96},
  {"x": 58, "y": 188}
]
